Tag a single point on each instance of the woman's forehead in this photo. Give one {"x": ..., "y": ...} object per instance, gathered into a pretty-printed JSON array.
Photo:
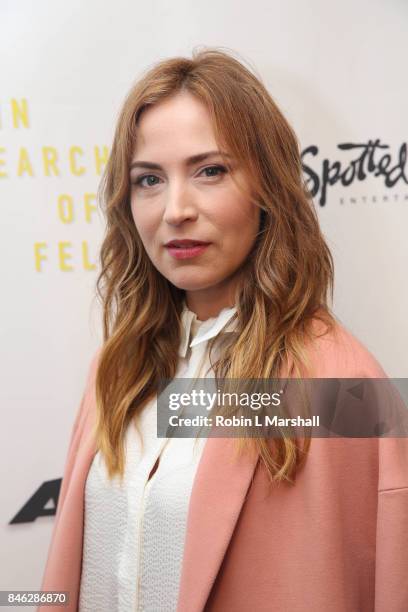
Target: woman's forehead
[{"x": 178, "y": 127}]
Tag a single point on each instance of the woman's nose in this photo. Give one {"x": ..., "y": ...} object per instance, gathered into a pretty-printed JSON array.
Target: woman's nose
[{"x": 179, "y": 205}]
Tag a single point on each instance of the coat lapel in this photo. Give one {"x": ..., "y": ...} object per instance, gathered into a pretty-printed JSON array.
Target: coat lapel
[
  {"x": 218, "y": 493},
  {"x": 63, "y": 569}
]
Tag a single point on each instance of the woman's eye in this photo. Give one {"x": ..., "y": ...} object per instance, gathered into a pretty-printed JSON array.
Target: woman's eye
[
  {"x": 140, "y": 179},
  {"x": 151, "y": 180},
  {"x": 211, "y": 169}
]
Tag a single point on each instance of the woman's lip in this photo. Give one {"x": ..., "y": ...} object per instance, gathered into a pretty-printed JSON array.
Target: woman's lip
[
  {"x": 186, "y": 245},
  {"x": 186, "y": 252}
]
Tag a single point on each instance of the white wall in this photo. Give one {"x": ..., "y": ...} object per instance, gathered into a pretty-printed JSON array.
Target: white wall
[{"x": 338, "y": 72}]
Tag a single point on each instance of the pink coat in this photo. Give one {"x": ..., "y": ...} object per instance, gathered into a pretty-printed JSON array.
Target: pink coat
[{"x": 337, "y": 540}]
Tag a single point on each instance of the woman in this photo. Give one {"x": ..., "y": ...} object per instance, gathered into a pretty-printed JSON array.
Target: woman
[{"x": 202, "y": 154}]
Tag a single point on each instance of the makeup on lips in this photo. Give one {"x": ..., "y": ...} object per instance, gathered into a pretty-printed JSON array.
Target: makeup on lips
[{"x": 185, "y": 249}]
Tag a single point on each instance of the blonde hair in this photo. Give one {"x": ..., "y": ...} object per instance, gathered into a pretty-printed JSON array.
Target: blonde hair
[{"x": 286, "y": 279}]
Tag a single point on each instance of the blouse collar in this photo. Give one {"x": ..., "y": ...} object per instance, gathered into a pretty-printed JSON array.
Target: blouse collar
[{"x": 207, "y": 329}]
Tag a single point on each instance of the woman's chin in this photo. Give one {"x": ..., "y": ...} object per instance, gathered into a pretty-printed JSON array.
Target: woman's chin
[{"x": 191, "y": 282}]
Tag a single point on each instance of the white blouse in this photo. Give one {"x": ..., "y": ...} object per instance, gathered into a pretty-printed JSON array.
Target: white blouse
[{"x": 134, "y": 534}]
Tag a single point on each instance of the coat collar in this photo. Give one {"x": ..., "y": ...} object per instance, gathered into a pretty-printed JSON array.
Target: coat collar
[
  {"x": 225, "y": 321},
  {"x": 219, "y": 490}
]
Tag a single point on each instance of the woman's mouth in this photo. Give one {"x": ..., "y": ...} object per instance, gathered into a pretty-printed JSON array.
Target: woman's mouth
[{"x": 186, "y": 252}]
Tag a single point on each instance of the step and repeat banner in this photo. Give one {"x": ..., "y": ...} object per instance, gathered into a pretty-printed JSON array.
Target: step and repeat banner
[{"x": 337, "y": 72}]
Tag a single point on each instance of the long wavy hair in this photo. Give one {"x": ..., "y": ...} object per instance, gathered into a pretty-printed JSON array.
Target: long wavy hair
[{"x": 286, "y": 280}]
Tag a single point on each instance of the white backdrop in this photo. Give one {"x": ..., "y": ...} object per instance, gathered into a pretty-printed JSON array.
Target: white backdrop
[{"x": 337, "y": 70}]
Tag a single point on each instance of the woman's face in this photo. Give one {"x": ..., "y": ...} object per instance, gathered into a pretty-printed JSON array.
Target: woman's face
[{"x": 174, "y": 197}]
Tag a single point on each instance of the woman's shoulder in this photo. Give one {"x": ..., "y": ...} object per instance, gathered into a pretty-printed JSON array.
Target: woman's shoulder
[
  {"x": 334, "y": 351},
  {"x": 93, "y": 364},
  {"x": 88, "y": 403}
]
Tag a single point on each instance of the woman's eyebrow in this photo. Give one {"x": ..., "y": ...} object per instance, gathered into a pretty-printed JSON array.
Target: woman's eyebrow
[{"x": 189, "y": 161}]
